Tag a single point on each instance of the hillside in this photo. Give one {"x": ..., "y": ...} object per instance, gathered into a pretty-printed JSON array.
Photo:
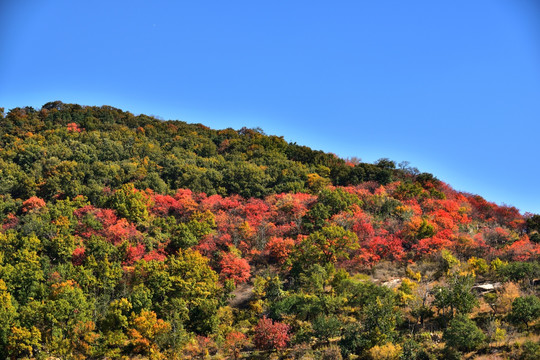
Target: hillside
[{"x": 126, "y": 236}]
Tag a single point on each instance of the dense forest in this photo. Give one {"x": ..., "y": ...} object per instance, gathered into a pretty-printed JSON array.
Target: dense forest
[{"x": 126, "y": 236}]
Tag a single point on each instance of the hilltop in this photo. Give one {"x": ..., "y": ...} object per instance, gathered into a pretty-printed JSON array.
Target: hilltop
[{"x": 127, "y": 236}]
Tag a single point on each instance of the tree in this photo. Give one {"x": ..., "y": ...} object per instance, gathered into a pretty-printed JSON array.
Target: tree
[
  {"x": 530, "y": 351},
  {"x": 8, "y": 313},
  {"x": 23, "y": 341},
  {"x": 330, "y": 244},
  {"x": 379, "y": 321},
  {"x": 387, "y": 351},
  {"x": 279, "y": 249},
  {"x": 116, "y": 317},
  {"x": 326, "y": 327},
  {"x": 33, "y": 204},
  {"x": 270, "y": 335},
  {"x": 66, "y": 308},
  {"x": 519, "y": 271},
  {"x": 525, "y": 310},
  {"x": 185, "y": 286},
  {"x": 130, "y": 203},
  {"x": 235, "y": 268},
  {"x": 246, "y": 179},
  {"x": 533, "y": 227},
  {"x": 456, "y": 297},
  {"x": 235, "y": 341},
  {"x": 462, "y": 334},
  {"x": 377, "y": 327},
  {"x": 146, "y": 333}
]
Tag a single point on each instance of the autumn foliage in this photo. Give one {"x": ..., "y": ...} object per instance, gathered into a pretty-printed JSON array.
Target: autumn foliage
[
  {"x": 271, "y": 335},
  {"x": 124, "y": 236}
]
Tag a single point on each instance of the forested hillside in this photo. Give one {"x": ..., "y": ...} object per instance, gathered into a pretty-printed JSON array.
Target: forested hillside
[{"x": 126, "y": 236}]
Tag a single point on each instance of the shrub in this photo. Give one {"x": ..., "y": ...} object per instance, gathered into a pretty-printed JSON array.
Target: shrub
[
  {"x": 462, "y": 334},
  {"x": 270, "y": 335}
]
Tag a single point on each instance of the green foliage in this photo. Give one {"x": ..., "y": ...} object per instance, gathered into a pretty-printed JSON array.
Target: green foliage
[
  {"x": 377, "y": 327},
  {"x": 330, "y": 244},
  {"x": 129, "y": 203},
  {"x": 184, "y": 286},
  {"x": 326, "y": 327},
  {"x": 462, "y": 334},
  {"x": 529, "y": 351},
  {"x": 22, "y": 341},
  {"x": 525, "y": 310},
  {"x": 112, "y": 228},
  {"x": 519, "y": 271},
  {"x": 330, "y": 202},
  {"x": 8, "y": 313},
  {"x": 456, "y": 297}
]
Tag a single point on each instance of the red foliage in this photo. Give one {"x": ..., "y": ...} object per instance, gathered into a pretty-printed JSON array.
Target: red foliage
[
  {"x": 163, "y": 204},
  {"x": 185, "y": 204},
  {"x": 10, "y": 222},
  {"x": 73, "y": 127},
  {"x": 134, "y": 254},
  {"x": 255, "y": 212},
  {"x": 270, "y": 335},
  {"x": 33, "y": 203},
  {"x": 509, "y": 216},
  {"x": 443, "y": 219},
  {"x": 358, "y": 221},
  {"x": 272, "y": 223},
  {"x": 235, "y": 268},
  {"x": 157, "y": 255},
  {"x": 78, "y": 256},
  {"x": 433, "y": 244},
  {"x": 279, "y": 249},
  {"x": 235, "y": 341},
  {"x": 524, "y": 249},
  {"x": 110, "y": 227},
  {"x": 121, "y": 231},
  {"x": 290, "y": 206},
  {"x": 414, "y": 206},
  {"x": 208, "y": 246},
  {"x": 481, "y": 209},
  {"x": 388, "y": 247},
  {"x": 216, "y": 202},
  {"x": 497, "y": 237}
]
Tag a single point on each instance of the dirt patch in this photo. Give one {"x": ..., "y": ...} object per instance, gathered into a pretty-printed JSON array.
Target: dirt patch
[{"x": 241, "y": 295}]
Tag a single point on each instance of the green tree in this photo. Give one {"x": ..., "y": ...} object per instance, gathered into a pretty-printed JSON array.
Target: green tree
[
  {"x": 525, "y": 310},
  {"x": 8, "y": 313},
  {"x": 377, "y": 327},
  {"x": 330, "y": 244},
  {"x": 462, "y": 334},
  {"x": 326, "y": 327},
  {"x": 530, "y": 351},
  {"x": 456, "y": 296},
  {"x": 184, "y": 287},
  {"x": 130, "y": 203},
  {"x": 66, "y": 308}
]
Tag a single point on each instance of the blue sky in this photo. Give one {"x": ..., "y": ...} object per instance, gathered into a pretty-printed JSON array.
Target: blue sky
[{"x": 452, "y": 86}]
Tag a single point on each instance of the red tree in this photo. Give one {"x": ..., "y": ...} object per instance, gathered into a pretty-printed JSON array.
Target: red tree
[
  {"x": 270, "y": 335},
  {"x": 235, "y": 268},
  {"x": 33, "y": 203},
  {"x": 279, "y": 249},
  {"x": 234, "y": 343}
]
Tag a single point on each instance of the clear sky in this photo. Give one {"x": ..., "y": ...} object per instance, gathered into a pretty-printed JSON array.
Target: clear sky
[{"x": 453, "y": 86}]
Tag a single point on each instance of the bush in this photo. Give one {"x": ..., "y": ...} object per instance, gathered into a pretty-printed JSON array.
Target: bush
[
  {"x": 529, "y": 351},
  {"x": 271, "y": 335},
  {"x": 387, "y": 351},
  {"x": 331, "y": 352},
  {"x": 525, "y": 310},
  {"x": 462, "y": 334}
]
